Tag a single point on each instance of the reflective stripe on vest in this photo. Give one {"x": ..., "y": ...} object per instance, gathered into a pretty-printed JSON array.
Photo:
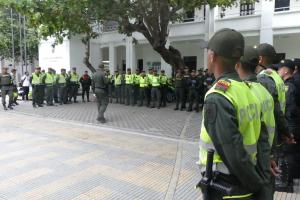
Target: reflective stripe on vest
[
  {"x": 118, "y": 80},
  {"x": 267, "y": 106},
  {"x": 143, "y": 82},
  {"x": 280, "y": 87},
  {"x": 36, "y": 80},
  {"x": 49, "y": 79},
  {"x": 129, "y": 79},
  {"x": 74, "y": 78},
  {"x": 62, "y": 79},
  {"x": 248, "y": 110},
  {"x": 155, "y": 81}
]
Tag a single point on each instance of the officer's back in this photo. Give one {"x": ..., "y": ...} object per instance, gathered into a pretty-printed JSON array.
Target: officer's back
[{"x": 100, "y": 81}]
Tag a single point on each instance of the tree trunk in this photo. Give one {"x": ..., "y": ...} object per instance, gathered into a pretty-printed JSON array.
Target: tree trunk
[{"x": 86, "y": 60}]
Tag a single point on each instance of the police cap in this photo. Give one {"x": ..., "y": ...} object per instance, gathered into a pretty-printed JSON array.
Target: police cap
[
  {"x": 227, "y": 43},
  {"x": 251, "y": 56},
  {"x": 266, "y": 50},
  {"x": 287, "y": 63},
  {"x": 297, "y": 62}
]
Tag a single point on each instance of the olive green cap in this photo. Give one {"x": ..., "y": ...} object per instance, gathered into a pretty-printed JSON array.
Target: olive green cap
[
  {"x": 227, "y": 43},
  {"x": 251, "y": 55},
  {"x": 266, "y": 50}
]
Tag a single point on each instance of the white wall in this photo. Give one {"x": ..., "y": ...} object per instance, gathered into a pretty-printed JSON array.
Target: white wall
[
  {"x": 145, "y": 52},
  {"x": 56, "y": 58},
  {"x": 289, "y": 44},
  {"x": 121, "y": 55},
  {"x": 95, "y": 57},
  {"x": 77, "y": 53}
]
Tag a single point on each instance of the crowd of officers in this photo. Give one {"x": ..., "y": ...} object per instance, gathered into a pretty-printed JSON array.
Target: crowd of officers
[
  {"x": 151, "y": 89},
  {"x": 251, "y": 118}
]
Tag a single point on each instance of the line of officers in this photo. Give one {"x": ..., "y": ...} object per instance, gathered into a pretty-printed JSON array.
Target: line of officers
[
  {"x": 59, "y": 88},
  {"x": 151, "y": 89},
  {"x": 251, "y": 116}
]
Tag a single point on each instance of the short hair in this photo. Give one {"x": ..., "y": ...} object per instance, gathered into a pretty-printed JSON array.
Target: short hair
[
  {"x": 248, "y": 67},
  {"x": 228, "y": 63}
]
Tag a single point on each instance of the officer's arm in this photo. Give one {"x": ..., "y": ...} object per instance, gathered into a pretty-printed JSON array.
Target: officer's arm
[
  {"x": 281, "y": 126},
  {"x": 222, "y": 126},
  {"x": 93, "y": 84},
  {"x": 105, "y": 80},
  {"x": 263, "y": 153}
]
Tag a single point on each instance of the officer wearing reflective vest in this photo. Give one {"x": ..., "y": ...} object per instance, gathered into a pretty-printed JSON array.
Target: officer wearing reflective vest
[
  {"x": 110, "y": 85},
  {"x": 129, "y": 78},
  {"x": 74, "y": 84},
  {"x": 246, "y": 70},
  {"x": 118, "y": 86},
  {"x": 143, "y": 87},
  {"x": 6, "y": 86},
  {"x": 231, "y": 121},
  {"x": 163, "y": 88},
  {"x": 136, "y": 86},
  {"x": 49, "y": 82},
  {"x": 149, "y": 77},
  {"x": 62, "y": 87},
  {"x": 270, "y": 79},
  {"x": 155, "y": 90},
  {"x": 37, "y": 87}
]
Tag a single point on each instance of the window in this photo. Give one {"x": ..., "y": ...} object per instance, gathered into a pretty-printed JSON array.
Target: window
[
  {"x": 282, "y": 5},
  {"x": 189, "y": 16},
  {"x": 247, "y": 9}
]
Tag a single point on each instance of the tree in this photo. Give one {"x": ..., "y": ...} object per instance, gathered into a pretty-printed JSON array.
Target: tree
[
  {"x": 152, "y": 18},
  {"x": 6, "y": 36}
]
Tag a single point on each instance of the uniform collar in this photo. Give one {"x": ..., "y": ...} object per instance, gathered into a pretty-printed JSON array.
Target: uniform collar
[
  {"x": 229, "y": 75},
  {"x": 251, "y": 78}
]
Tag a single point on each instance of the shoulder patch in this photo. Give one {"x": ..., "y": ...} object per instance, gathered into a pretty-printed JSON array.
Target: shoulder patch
[
  {"x": 223, "y": 85},
  {"x": 269, "y": 71}
]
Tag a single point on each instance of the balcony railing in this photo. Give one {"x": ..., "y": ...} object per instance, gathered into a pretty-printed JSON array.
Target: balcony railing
[{"x": 110, "y": 26}]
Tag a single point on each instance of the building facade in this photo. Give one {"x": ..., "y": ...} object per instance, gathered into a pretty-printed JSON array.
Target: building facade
[{"x": 273, "y": 21}]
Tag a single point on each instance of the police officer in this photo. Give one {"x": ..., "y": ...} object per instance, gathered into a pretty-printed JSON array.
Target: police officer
[
  {"x": 110, "y": 85},
  {"x": 55, "y": 86},
  {"x": 179, "y": 91},
  {"x": 118, "y": 86},
  {"x": 100, "y": 83},
  {"x": 6, "y": 86},
  {"x": 74, "y": 84},
  {"x": 143, "y": 88},
  {"x": 149, "y": 77},
  {"x": 246, "y": 70},
  {"x": 123, "y": 87},
  {"x": 186, "y": 77},
  {"x": 129, "y": 87},
  {"x": 297, "y": 80},
  {"x": 15, "y": 87},
  {"x": 193, "y": 84},
  {"x": 37, "y": 87},
  {"x": 49, "y": 81},
  {"x": 62, "y": 87},
  {"x": 155, "y": 90},
  {"x": 136, "y": 86},
  {"x": 229, "y": 126},
  {"x": 43, "y": 85},
  {"x": 274, "y": 84},
  {"x": 163, "y": 88}
]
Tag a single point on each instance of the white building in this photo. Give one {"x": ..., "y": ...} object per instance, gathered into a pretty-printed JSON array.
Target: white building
[{"x": 273, "y": 21}]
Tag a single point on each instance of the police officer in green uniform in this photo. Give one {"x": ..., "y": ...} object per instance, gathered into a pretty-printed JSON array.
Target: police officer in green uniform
[
  {"x": 163, "y": 88},
  {"x": 110, "y": 85},
  {"x": 231, "y": 121},
  {"x": 149, "y": 88},
  {"x": 118, "y": 86},
  {"x": 55, "y": 86},
  {"x": 43, "y": 93},
  {"x": 36, "y": 81},
  {"x": 193, "y": 94},
  {"x": 62, "y": 87},
  {"x": 143, "y": 88},
  {"x": 179, "y": 91},
  {"x": 129, "y": 87},
  {"x": 246, "y": 70},
  {"x": 123, "y": 87},
  {"x": 155, "y": 90},
  {"x": 274, "y": 84},
  {"x": 74, "y": 84},
  {"x": 49, "y": 81},
  {"x": 100, "y": 83},
  {"x": 6, "y": 86},
  {"x": 136, "y": 86}
]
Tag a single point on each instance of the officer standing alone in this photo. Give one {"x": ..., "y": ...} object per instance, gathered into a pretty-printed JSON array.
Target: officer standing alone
[
  {"x": 6, "y": 86},
  {"x": 100, "y": 83}
]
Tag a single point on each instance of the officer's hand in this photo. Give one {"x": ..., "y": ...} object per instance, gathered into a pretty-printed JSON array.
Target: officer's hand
[
  {"x": 274, "y": 168},
  {"x": 289, "y": 140}
]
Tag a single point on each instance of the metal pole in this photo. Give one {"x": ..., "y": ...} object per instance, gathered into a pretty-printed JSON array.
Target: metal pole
[
  {"x": 25, "y": 46},
  {"x": 21, "y": 49},
  {"x": 12, "y": 38}
]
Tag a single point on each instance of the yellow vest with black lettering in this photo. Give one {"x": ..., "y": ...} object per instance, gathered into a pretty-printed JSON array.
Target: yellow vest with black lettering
[
  {"x": 248, "y": 112},
  {"x": 118, "y": 80},
  {"x": 143, "y": 82},
  {"x": 49, "y": 79},
  {"x": 129, "y": 79},
  {"x": 62, "y": 79},
  {"x": 280, "y": 87},
  {"x": 36, "y": 80},
  {"x": 155, "y": 81},
  {"x": 267, "y": 106}
]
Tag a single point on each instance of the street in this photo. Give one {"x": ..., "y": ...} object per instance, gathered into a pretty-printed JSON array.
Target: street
[{"x": 62, "y": 153}]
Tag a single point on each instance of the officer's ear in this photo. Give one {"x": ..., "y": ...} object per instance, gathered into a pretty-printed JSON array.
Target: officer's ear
[{"x": 260, "y": 60}]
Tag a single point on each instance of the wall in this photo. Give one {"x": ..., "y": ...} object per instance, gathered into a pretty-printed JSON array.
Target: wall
[
  {"x": 145, "y": 52},
  {"x": 77, "y": 53},
  {"x": 121, "y": 55},
  {"x": 95, "y": 57},
  {"x": 288, "y": 44}
]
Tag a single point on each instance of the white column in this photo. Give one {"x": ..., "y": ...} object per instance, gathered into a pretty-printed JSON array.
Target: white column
[
  {"x": 130, "y": 55},
  {"x": 165, "y": 66},
  {"x": 112, "y": 58},
  {"x": 211, "y": 15},
  {"x": 101, "y": 54},
  {"x": 266, "y": 28}
]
